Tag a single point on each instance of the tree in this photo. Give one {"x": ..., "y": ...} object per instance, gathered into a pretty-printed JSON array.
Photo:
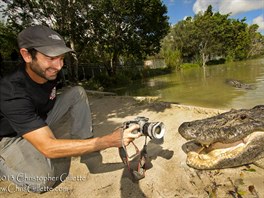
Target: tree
[
  {"x": 61, "y": 15},
  {"x": 103, "y": 29},
  {"x": 125, "y": 28},
  {"x": 256, "y": 42},
  {"x": 209, "y": 36},
  {"x": 8, "y": 41}
]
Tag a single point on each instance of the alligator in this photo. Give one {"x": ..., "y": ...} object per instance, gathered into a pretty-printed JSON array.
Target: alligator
[
  {"x": 239, "y": 84},
  {"x": 230, "y": 139}
]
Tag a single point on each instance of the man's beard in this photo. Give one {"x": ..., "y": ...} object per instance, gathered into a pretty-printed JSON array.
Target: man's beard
[{"x": 35, "y": 67}]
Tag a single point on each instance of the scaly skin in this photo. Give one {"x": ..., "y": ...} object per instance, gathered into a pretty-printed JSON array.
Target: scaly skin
[{"x": 245, "y": 126}]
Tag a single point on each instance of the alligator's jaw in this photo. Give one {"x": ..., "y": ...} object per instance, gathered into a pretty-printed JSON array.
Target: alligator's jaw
[{"x": 243, "y": 152}]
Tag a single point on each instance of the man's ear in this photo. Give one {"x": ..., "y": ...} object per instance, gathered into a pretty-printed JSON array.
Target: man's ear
[{"x": 26, "y": 56}]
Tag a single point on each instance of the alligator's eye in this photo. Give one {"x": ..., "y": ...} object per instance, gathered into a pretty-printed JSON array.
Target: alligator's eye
[{"x": 243, "y": 116}]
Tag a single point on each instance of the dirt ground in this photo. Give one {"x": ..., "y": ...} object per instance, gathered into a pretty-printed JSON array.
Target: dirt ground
[{"x": 104, "y": 175}]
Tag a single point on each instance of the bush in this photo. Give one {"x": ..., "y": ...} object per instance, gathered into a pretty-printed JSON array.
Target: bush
[
  {"x": 123, "y": 77},
  {"x": 155, "y": 72},
  {"x": 173, "y": 59},
  {"x": 93, "y": 84},
  {"x": 216, "y": 62}
]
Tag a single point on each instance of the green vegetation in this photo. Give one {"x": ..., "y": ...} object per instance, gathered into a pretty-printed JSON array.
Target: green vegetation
[
  {"x": 123, "y": 77},
  {"x": 8, "y": 40},
  {"x": 100, "y": 31},
  {"x": 210, "y": 38},
  {"x": 117, "y": 35}
]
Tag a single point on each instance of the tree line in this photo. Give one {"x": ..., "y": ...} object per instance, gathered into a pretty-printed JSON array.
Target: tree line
[
  {"x": 208, "y": 37},
  {"x": 111, "y": 33},
  {"x": 107, "y": 32}
]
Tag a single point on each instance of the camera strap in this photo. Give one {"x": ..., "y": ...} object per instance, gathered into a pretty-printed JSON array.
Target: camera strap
[{"x": 139, "y": 173}]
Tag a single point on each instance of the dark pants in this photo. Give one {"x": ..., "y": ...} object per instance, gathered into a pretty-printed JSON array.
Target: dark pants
[{"x": 24, "y": 165}]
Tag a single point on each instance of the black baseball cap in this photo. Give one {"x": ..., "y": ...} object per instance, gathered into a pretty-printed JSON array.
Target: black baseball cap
[{"x": 42, "y": 39}]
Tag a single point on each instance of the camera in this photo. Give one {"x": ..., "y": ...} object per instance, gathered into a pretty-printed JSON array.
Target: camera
[{"x": 153, "y": 130}]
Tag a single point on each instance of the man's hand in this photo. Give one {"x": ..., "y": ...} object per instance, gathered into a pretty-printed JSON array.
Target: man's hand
[{"x": 126, "y": 136}]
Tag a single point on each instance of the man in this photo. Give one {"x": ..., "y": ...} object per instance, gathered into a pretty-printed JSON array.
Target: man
[{"x": 30, "y": 113}]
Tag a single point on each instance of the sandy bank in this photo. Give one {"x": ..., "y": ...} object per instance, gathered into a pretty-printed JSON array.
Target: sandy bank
[{"x": 103, "y": 175}]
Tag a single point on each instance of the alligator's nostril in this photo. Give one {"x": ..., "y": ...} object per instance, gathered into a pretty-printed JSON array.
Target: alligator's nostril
[{"x": 243, "y": 116}]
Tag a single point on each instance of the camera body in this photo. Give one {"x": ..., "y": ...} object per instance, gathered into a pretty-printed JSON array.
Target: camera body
[{"x": 155, "y": 130}]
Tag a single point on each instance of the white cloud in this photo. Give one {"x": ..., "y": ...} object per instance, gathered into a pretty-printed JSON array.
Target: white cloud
[
  {"x": 260, "y": 22},
  {"x": 202, "y": 5},
  {"x": 228, "y": 6},
  {"x": 2, "y": 7}
]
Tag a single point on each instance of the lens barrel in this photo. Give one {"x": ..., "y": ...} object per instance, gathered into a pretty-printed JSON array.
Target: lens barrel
[{"x": 154, "y": 130}]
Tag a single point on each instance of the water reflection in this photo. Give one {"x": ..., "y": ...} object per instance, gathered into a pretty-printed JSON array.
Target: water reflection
[{"x": 207, "y": 87}]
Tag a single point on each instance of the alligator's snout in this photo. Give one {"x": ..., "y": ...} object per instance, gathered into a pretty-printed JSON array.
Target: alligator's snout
[{"x": 228, "y": 136}]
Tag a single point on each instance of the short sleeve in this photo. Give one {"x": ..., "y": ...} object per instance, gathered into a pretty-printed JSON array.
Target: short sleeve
[{"x": 18, "y": 108}]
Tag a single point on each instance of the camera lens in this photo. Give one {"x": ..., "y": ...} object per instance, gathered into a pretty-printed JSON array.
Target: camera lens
[
  {"x": 157, "y": 130},
  {"x": 154, "y": 130}
]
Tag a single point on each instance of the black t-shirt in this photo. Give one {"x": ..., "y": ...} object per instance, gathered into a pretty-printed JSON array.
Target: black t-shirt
[{"x": 24, "y": 104}]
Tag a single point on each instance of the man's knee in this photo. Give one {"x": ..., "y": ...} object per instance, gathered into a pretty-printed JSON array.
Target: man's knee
[{"x": 79, "y": 91}]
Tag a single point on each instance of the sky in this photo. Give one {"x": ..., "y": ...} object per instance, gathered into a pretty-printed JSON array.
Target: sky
[{"x": 253, "y": 10}]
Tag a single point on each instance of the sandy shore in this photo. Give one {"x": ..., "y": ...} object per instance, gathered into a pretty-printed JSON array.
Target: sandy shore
[{"x": 104, "y": 175}]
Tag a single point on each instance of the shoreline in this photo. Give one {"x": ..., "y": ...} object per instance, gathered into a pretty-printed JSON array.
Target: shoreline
[{"x": 167, "y": 175}]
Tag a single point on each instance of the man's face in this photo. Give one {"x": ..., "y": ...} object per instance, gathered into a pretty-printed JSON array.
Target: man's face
[{"x": 46, "y": 67}]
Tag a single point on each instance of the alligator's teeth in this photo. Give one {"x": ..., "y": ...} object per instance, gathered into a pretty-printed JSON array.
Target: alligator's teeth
[
  {"x": 201, "y": 149},
  {"x": 213, "y": 158},
  {"x": 204, "y": 146}
]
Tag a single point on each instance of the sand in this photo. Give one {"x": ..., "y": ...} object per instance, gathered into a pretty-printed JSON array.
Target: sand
[{"x": 104, "y": 175}]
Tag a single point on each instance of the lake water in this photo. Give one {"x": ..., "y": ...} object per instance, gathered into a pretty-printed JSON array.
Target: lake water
[{"x": 207, "y": 87}]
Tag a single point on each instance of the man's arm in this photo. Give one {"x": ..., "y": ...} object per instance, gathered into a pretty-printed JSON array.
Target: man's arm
[{"x": 44, "y": 141}]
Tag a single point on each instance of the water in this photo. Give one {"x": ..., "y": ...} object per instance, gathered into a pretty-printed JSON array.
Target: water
[{"x": 207, "y": 87}]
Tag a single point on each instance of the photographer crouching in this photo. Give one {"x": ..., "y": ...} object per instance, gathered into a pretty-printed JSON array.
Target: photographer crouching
[{"x": 30, "y": 111}]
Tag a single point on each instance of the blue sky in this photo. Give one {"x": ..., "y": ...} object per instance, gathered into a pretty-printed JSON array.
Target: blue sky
[{"x": 253, "y": 10}]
